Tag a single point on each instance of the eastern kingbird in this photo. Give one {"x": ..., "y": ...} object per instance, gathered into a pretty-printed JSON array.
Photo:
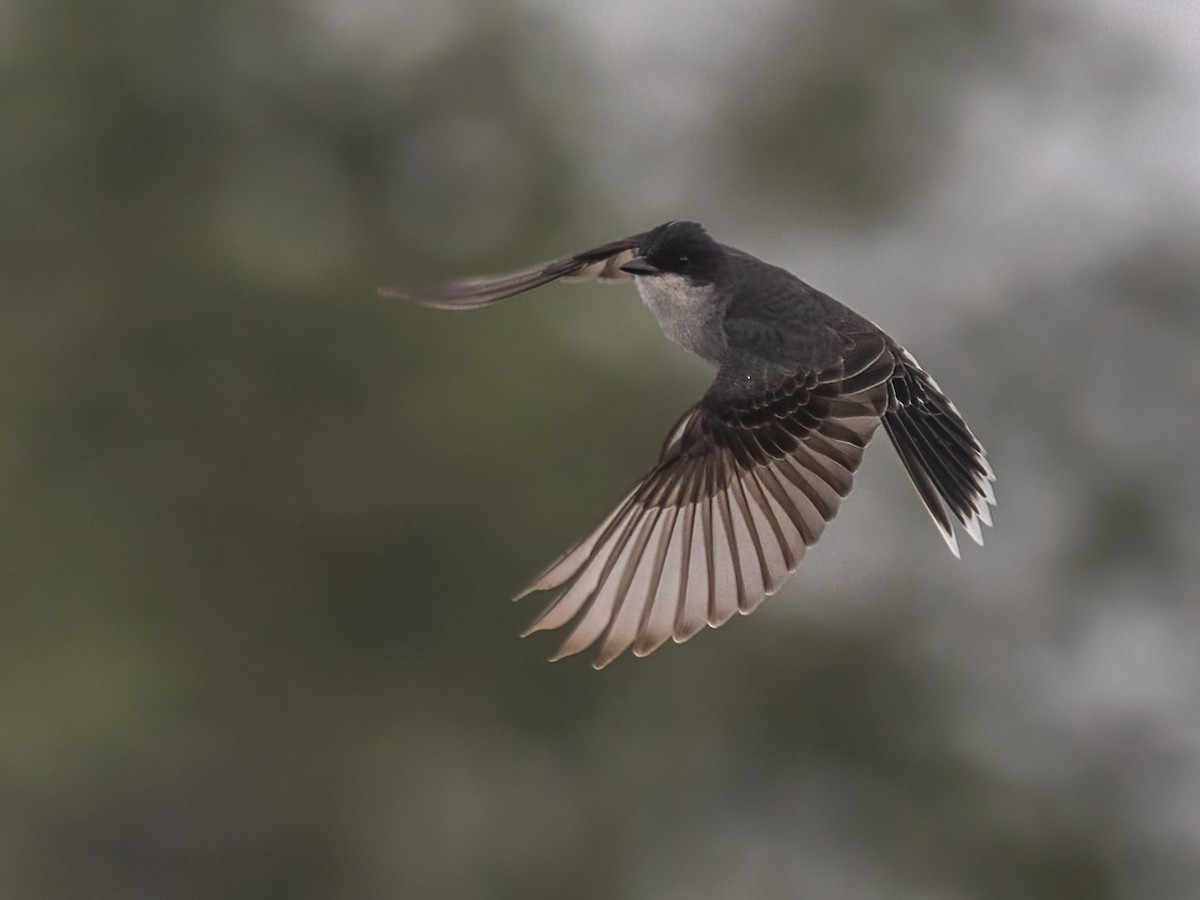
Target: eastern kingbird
[{"x": 750, "y": 475}]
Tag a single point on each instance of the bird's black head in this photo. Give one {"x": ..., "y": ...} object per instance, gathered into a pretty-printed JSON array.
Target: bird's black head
[{"x": 680, "y": 248}]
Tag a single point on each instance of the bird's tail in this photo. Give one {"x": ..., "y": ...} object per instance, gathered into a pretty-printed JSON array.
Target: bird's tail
[{"x": 946, "y": 463}]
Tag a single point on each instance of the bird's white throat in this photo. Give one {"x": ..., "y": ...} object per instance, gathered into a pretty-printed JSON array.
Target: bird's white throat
[{"x": 687, "y": 313}]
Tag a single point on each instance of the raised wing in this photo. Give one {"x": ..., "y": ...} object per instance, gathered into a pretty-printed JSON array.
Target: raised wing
[
  {"x": 599, "y": 264},
  {"x": 746, "y": 482}
]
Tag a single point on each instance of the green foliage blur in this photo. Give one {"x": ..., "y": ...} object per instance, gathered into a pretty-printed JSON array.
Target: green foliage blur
[{"x": 259, "y": 526}]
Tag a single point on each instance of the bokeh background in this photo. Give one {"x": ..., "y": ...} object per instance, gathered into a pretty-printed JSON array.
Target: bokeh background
[{"x": 259, "y": 526}]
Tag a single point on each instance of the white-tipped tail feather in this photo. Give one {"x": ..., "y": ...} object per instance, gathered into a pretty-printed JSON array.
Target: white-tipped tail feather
[{"x": 947, "y": 464}]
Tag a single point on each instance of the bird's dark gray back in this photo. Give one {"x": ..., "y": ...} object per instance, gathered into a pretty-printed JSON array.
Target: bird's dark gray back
[{"x": 777, "y": 318}]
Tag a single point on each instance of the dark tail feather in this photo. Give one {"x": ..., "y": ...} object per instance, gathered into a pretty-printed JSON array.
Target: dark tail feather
[{"x": 946, "y": 463}]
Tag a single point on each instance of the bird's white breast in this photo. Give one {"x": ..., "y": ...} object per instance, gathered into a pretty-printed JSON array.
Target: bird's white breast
[{"x": 687, "y": 313}]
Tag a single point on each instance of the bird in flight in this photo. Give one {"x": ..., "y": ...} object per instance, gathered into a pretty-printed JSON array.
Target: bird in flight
[{"x": 749, "y": 477}]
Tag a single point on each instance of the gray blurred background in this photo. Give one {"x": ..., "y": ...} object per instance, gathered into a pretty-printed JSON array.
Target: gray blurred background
[{"x": 259, "y": 526}]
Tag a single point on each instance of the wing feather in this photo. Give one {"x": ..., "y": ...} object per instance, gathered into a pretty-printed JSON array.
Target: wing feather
[
  {"x": 599, "y": 264},
  {"x": 746, "y": 482}
]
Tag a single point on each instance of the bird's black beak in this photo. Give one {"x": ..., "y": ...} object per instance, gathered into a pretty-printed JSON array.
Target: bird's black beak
[{"x": 639, "y": 266}]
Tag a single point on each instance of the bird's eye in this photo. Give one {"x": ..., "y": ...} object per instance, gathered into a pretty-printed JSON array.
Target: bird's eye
[{"x": 683, "y": 258}]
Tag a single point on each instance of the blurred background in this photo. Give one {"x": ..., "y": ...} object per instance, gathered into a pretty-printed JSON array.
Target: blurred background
[{"x": 259, "y": 526}]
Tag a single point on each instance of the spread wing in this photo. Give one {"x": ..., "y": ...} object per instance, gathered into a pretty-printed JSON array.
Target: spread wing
[
  {"x": 599, "y": 264},
  {"x": 747, "y": 480}
]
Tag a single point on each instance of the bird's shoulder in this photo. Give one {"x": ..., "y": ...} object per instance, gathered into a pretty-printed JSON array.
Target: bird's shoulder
[
  {"x": 753, "y": 402},
  {"x": 766, "y": 371},
  {"x": 775, "y": 321}
]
